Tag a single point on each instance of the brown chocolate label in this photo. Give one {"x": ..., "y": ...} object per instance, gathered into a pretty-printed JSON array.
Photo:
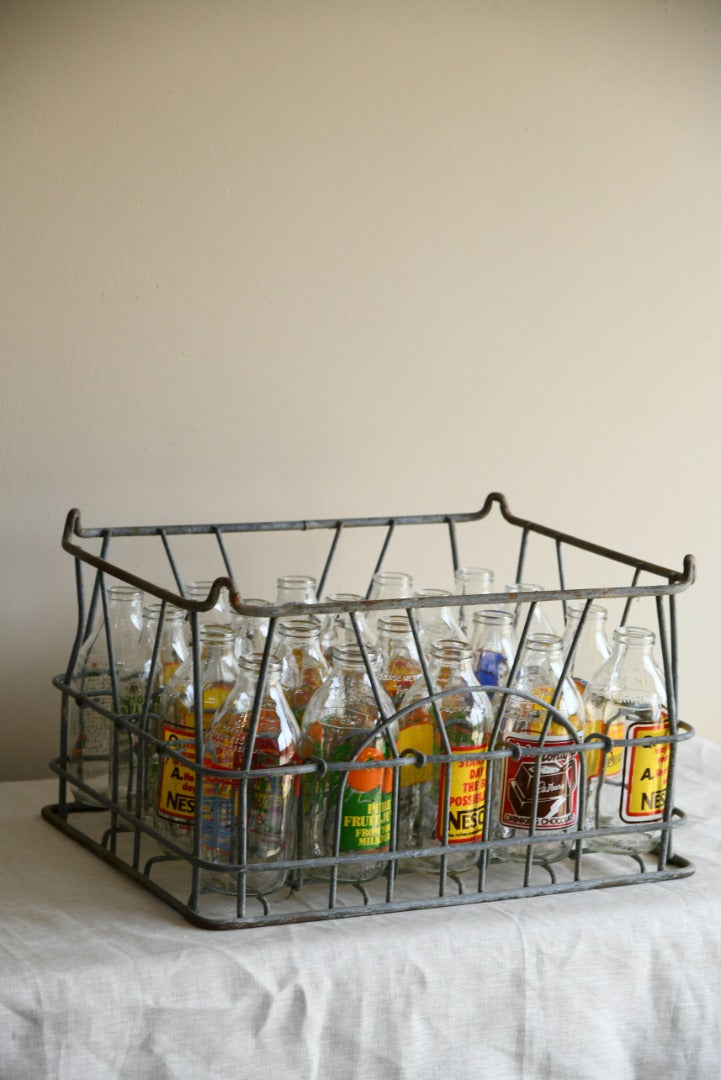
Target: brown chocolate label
[{"x": 557, "y": 789}]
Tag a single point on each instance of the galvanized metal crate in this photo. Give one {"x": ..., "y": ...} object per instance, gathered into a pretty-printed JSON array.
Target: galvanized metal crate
[{"x": 113, "y": 831}]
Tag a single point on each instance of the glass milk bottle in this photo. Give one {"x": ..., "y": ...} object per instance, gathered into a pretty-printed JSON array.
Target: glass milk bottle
[
  {"x": 397, "y": 663},
  {"x": 467, "y": 721},
  {"x": 386, "y": 585},
  {"x": 436, "y": 623},
  {"x": 592, "y": 649},
  {"x": 337, "y": 628},
  {"x": 341, "y": 723},
  {"x": 296, "y": 589},
  {"x": 560, "y": 774},
  {"x": 271, "y": 801},
  {"x": 626, "y": 699},
  {"x": 90, "y": 735},
  {"x": 251, "y": 631},
  {"x": 174, "y": 809},
  {"x": 539, "y": 621},
  {"x": 172, "y": 651},
  {"x": 493, "y": 642},
  {"x": 303, "y": 668},
  {"x": 470, "y": 581}
]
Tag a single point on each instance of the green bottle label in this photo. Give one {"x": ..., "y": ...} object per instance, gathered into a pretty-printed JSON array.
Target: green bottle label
[{"x": 366, "y": 815}]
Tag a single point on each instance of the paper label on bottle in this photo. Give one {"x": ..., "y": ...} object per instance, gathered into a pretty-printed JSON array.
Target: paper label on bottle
[
  {"x": 467, "y": 798},
  {"x": 594, "y": 758},
  {"x": 492, "y": 668},
  {"x": 176, "y": 783},
  {"x": 645, "y": 774},
  {"x": 418, "y": 736},
  {"x": 268, "y": 803},
  {"x": 557, "y": 791},
  {"x": 366, "y": 812}
]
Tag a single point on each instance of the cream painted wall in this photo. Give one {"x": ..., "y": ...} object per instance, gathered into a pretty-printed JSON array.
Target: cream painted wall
[{"x": 264, "y": 259}]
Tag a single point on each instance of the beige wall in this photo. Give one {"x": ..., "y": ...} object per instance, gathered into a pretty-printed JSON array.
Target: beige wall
[{"x": 273, "y": 259}]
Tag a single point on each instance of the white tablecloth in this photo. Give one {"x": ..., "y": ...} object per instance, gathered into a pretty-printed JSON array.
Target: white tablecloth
[{"x": 98, "y": 979}]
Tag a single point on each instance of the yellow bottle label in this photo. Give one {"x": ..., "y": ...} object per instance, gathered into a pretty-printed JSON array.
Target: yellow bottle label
[
  {"x": 176, "y": 784},
  {"x": 417, "y": 736},
  {"x": 467, "y": 798},
  {"x": 645, "y": 774},
  {"x": 594, "y": 758}
]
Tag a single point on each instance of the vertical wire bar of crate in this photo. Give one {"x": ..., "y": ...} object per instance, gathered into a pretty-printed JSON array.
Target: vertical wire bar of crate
[
  {"x": 500, "y": 715},
  {"x": 443, "y": 735},
  {"x": 141, "y": 796},
  {"x": 328, "y": 561},
  {"x": 388, "y": 735},
  {"x": 566, "y": 674},
  {"x": 114, "y": 745},
  {"x": 242, "y": 830},
  {"x": 217, "y": 532},
  {"x": 95, "y": 597},
  {"x": 64, "y": 709},
  {"x": 561, "y": 579},
  {"x": 674, "y": 671},
  {"x": 581, "y": 764},
  {"x": 672, "y": 729},
  {"x": 537, "y": 771},
  {"x": 194, "y": 899},
  {"x": 454, "y": 543},
  {"x": 629, "y": 601},
  {"x": 381, "y": 557},
  {"x": 522, "y": 551},
  {"x": 171, "y": 559}
]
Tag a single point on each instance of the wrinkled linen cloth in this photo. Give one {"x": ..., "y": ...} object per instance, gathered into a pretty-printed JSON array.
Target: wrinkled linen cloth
[{"x": 99, "y": 979}]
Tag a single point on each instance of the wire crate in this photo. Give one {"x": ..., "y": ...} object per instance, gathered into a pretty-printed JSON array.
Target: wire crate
[{"x": 117, "y": 830}]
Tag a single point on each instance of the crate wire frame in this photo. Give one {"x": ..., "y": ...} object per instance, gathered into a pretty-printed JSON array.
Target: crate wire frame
[{"x": 113, "y": 832}]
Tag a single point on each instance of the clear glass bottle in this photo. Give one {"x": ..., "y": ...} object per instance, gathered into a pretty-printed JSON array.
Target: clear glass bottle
[
  {"x": 436, "y": 623},
  {"x": 251, "y": 631},
  {"x": 468, "y": 721},
  {"x": 337, "y": 628},
  {"x": 592, "y": 649},
  {"x": 493, "y": 643},
  {"x": 174, "y": 802},
  {"x": 523, "y": 724},
  {"x": 471, "y": 581},
  {"x": 271, "y": 800},
  {"x": 339, "y": 725},
  {"x": 90, "y": 735},
  {"x": 626, "y": 699},
  {"x": 539, "y": 623},
  {"x": 172, "y": 652},
  {"x": 397, "y": 663},
  {"x": 296, "y": 589},
  {"x": 303, "y": 668},
  {"x": 386, "y": 585}
]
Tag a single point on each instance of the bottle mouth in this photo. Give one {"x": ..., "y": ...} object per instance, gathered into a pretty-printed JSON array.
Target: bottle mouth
[
  {"x": 300, "y": 626},
  {"x": 394, "y": 624},
  {"x": 350, "y": 653},
  {"x": 637, "y": 635},
  {"x": 493, "y": 615},
  {"x": 473, "y": 579},
  {"x": 450, "y": 649},
  {"x": 296, "y": 581},
  {"x": 215, "y": 633},
  {"x": 576, "y": 608},
  {"x": 124, "y": 592},
  {"x": 543, "y": 641},
  {"x": 252, "y": 662}
]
